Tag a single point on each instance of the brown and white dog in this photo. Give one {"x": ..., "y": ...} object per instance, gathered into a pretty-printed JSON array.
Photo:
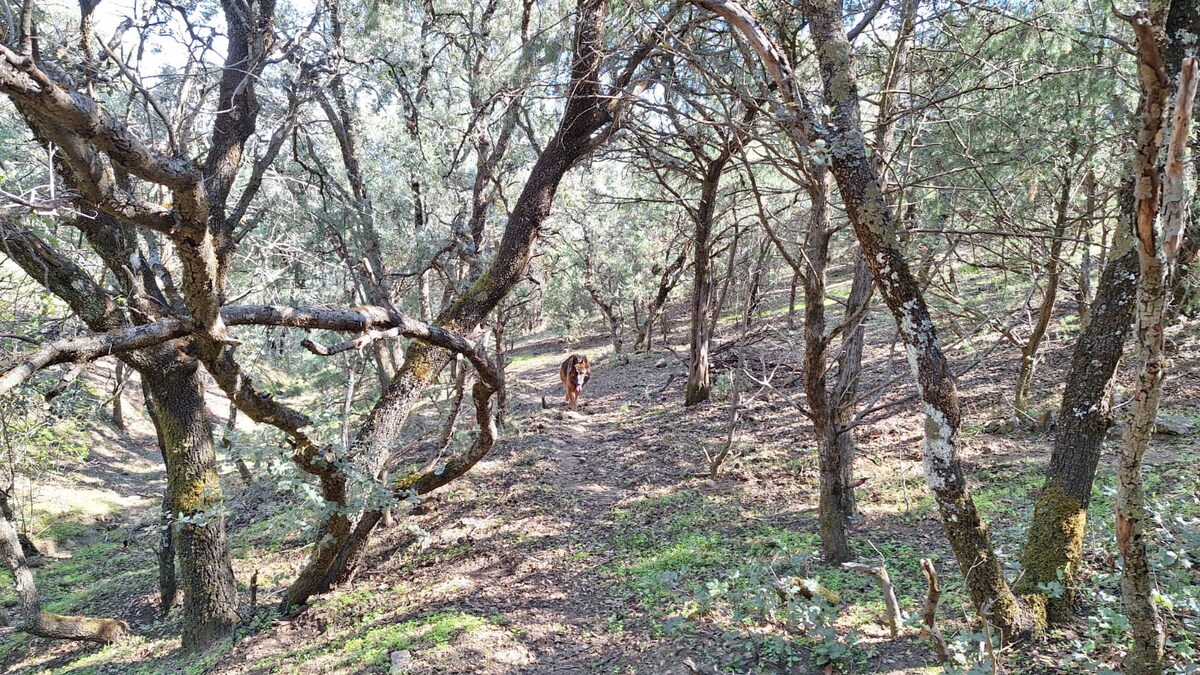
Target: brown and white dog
[{"x": 574, "y": 373}]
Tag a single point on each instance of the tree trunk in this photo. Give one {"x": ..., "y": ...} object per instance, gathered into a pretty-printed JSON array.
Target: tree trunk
[
  {"x": 845, "y": 390},
  {"x": 791, "y": 317},
  {"x": 235, "y": 454},
  {"x": 833, "y": 520},
  {"x": 168, "y": 586},
  {"x": 874, "y": 224},
  {"x": 120, "y": 378},
  {"x": 194, "y": 491},
  {"x": 1029, "y": 352},
  {"x": 1055, "y": 539},
  {"x": 1084, "y": 295},
  {"x": 502, "y": 395},
  {"x": 44, "y": 624},
  {"x": 1158, "y": 239},
  {"x": 177, "y": 393},
  {"x": 699, "y": 388},
  {"x": 714, "y": 316},
  {"x": 610, "y": 310},
  {"x": 698, "y": 385}
]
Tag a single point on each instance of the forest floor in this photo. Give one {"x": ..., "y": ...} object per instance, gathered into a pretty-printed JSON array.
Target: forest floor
[{"x": 595, "y": 541}]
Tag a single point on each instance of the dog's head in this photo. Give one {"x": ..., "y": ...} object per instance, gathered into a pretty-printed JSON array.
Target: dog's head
[{"x": 581, "y": 372}]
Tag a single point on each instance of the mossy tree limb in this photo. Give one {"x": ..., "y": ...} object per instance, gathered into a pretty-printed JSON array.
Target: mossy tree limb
[{"x": 32, "y": 619}]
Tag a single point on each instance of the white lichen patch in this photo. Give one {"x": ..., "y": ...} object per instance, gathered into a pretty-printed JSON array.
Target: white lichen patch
[{"x": 939, "y": 450}]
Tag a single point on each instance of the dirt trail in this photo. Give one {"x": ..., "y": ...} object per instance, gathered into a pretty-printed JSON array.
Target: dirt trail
[{"x": 580, "y": 464}]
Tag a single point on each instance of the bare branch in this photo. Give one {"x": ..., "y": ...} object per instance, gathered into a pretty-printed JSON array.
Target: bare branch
[{"x": 366, "y": 319}]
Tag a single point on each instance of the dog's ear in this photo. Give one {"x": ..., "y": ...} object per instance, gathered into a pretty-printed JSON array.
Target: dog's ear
[{"x": 584, "y": 360}]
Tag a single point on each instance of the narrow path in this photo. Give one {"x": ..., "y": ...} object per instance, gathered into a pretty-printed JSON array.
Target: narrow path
[{"x": 586, "y": 465}]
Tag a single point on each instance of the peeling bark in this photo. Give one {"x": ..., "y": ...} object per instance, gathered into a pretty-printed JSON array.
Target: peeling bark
[{"x": 1159, "y": 227}]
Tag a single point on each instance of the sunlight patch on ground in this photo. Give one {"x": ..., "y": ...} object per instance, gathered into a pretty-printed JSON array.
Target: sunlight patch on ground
[{"x": 82, "y": 502}]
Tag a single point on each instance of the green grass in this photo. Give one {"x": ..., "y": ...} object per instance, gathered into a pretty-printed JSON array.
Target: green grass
[
  {"x": 367, "y": 645},
  {"x": 433, "y": 630},
  {"x": 87, "y": 581}
]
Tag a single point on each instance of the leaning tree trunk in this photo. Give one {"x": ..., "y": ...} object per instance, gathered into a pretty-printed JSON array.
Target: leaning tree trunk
[
  {"x": 587, "y": 112},
  {"x": 874, "y": 224},
  {"x": 1055, "y": 539},
  {"x": 44, "y": 624},
  {"x": 1029, "y": 353}
]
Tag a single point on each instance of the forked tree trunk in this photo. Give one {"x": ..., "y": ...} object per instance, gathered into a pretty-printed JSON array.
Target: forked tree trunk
[
  {"x": 610, "y": 310},
  {"x": 874, "y": 224},
  {"x": 657, "y": 305},
  {"x": 192, "y": 485}
]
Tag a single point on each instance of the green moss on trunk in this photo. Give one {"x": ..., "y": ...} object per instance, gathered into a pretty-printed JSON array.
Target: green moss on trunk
[{"x": 1054, "y": 544}]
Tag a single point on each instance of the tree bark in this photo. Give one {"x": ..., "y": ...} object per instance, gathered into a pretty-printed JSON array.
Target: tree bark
[
  {"x": 1055, "y": 539},
  {"x": 1158, "y": 240},
  {"x": 699, "y": 388},
  {"x": 194, "y": 491},
  {"x": 832, "y": 520}
]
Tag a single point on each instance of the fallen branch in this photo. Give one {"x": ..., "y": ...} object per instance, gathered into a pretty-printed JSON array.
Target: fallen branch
[
  {"x": 646, "y": 391},
  {"x": 32, "y": 619},
  {"x": 892, "y": 607},
  {"x": 929, "y": 611}
]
